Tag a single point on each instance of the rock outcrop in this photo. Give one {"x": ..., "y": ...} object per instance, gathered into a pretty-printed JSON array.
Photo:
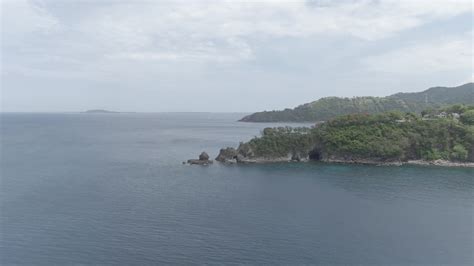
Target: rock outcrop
[
  {"x": 227, "y": 155},
  {"x": 203, "y": 160},
  {"x": 204, "y": 156},
  {"x": 244, "y": 154}
]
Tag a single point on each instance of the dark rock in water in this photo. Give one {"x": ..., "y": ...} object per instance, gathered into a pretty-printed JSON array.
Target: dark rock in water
[
  {"x": 203, "y": 159},
  {"x": 199, "y": 162},
  {"x": 227, "y": 155},
  {"x": 204, "y": 156}
]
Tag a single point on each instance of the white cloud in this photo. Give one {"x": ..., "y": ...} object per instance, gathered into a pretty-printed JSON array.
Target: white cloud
[
  {"x": 428, "y": 57},
  {"x": 158, "y": 52},
  {"x": 22, "y": 17},
  {"x": 184, "y": 30},
  {"x": 229, "y": 51},
  {"x": 206, "y": 31}
]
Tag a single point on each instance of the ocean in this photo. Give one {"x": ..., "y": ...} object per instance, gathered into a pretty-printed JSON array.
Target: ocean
[{"x": 112, "y": 189}]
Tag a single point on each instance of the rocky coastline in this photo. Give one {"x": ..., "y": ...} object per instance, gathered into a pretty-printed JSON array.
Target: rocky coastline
[
  {"x": 231, "y": 155},
  {"x": 384, "y": 139},
  {"x": 241, "y": 155},
  {"x": 441, "y": 163}
]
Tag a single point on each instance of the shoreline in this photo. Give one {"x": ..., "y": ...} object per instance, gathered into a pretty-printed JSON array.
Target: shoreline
[{"x": 441, "y": 163}]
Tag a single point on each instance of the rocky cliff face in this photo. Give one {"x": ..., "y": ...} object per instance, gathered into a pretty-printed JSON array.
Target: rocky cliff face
[
  {"x": 227, "y": 155},
  {"x": 245, "y": 154},
  {"x": 242, "y": 154}
]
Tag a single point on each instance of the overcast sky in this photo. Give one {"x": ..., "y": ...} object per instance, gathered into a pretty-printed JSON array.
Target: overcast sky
[{"x": 231, "y": 56}]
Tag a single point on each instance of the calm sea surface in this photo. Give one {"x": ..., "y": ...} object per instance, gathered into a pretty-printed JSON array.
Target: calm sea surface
[{"x": 111, "y": 189}]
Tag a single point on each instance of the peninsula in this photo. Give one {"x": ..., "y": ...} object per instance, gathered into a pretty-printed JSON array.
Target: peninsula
[{"x": 443, "y": 136}]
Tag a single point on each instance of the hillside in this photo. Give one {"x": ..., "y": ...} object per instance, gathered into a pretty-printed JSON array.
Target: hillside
[{"x": 330, "y": 107}]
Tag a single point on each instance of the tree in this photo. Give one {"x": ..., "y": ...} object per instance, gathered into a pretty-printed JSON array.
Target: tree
[
  {"x": 468, "y": 117},
  {"x": 459, "y": 153}
]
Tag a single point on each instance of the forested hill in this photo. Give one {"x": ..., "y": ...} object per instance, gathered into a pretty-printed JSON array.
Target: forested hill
[
  {"x": 330, "y": 107},
  {"x": 443, "y": 134}
]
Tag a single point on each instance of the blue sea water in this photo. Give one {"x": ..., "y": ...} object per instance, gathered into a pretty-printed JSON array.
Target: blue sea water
[{"x": 111, "y": 189}]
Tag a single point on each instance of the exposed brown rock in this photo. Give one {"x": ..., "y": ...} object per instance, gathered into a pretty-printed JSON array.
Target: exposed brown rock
[{"x": 203, "y": 159}]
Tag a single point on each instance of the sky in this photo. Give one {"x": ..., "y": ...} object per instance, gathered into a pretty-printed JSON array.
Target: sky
[{"x": 226, "y": 56}]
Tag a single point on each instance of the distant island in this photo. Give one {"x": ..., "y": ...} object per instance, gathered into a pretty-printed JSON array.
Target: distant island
[
  {"x": 100, "y": 111},
  {"x": 443, "y": 136},
  {"x": 331, "y": 107}
]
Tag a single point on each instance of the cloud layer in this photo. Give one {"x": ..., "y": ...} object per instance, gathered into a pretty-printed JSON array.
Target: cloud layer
[{"x": 147, "y": 41}]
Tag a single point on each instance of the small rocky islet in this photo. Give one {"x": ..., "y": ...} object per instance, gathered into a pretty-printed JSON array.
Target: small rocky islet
[{"x": 202, "y": 160}]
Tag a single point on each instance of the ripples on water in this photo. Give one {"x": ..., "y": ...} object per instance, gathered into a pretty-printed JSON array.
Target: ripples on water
[{"x": 110, "y": 188}]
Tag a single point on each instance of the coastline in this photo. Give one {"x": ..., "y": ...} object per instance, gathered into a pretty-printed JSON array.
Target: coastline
[{"x": 441, "y": 163}]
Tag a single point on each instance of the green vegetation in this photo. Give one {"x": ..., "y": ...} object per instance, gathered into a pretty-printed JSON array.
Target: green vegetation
[
  {"x": 279, "y": 142},
  {"x": 330, "y": 107},
  {"x": 390, "y": 136},
  {"x": 468, "y": 117}
]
